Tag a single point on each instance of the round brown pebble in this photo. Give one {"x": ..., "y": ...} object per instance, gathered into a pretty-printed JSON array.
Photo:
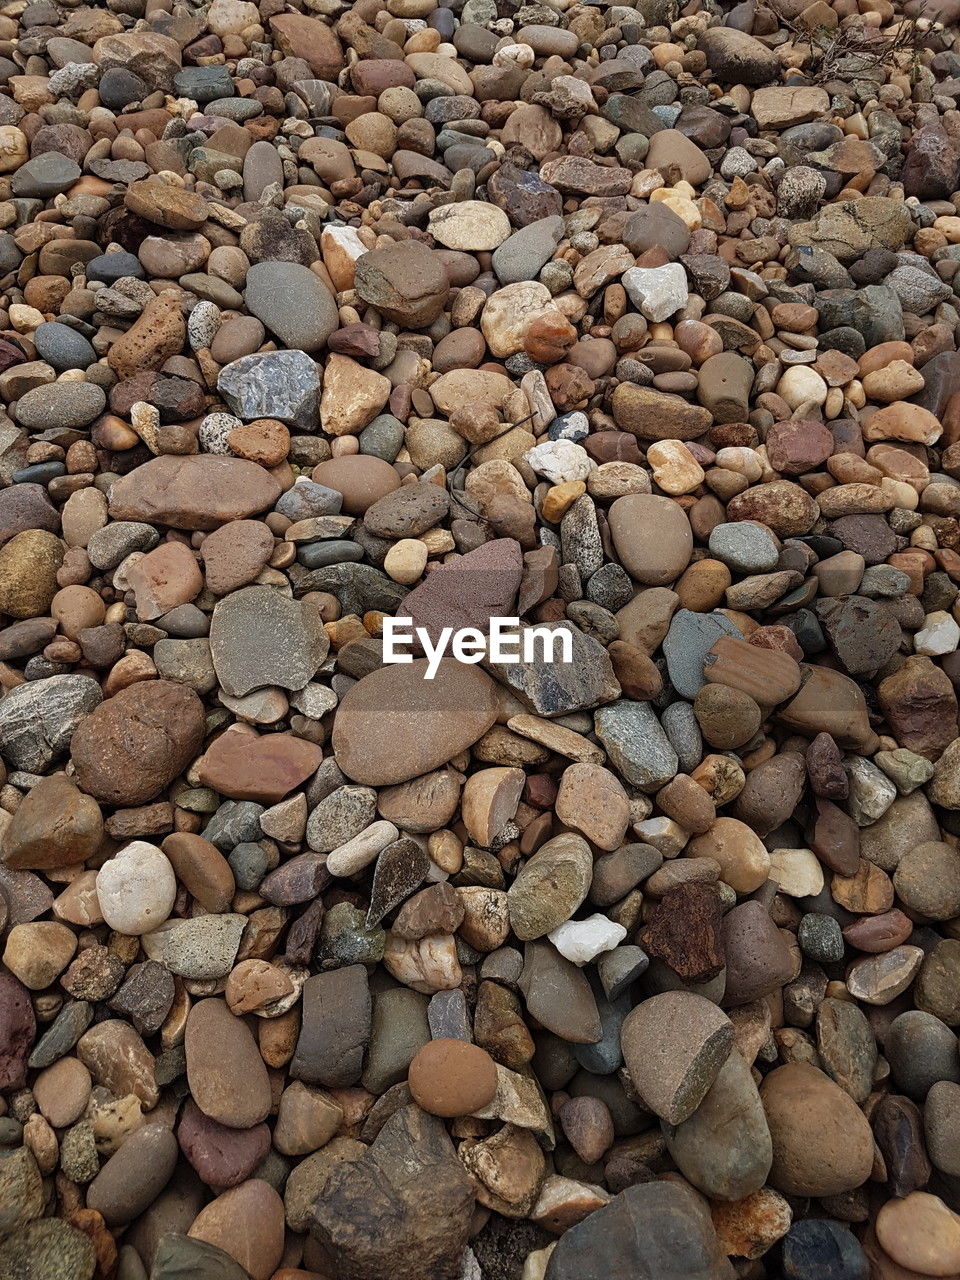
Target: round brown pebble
[{"x": 452, "y": 1078}]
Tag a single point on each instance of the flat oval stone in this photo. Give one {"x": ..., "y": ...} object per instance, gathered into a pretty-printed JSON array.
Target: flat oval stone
[
  {"x": 293, "y": 303},
  {"x": 134, "y": 1176},
  {"x": 197, "y": 492},
  {"x": 652, "y": 537},
  {"x": 226, "y": 1074},
  {"x": 394, "y": 724}
]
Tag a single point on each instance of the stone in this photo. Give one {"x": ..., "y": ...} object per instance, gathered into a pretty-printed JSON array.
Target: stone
[
  {"x": 134, "y": 744},
  {"x": 405, "y": 282},
  {"x": 284, "y": 385},
  {"x": 452, "y": 1078},
  {"x": 136, "y": 889},
  {"x": 411, "y": 1149},
  {"x": 652, "y": 537},
  {"x": 54, "y": 826},
  {"x": 828, "y": 1151},
  {"x": 28, "y": 573},
  {"x": 330, "y": 1047},
  {"x": 292, "y": 303},
  {"x": 673, "y": 1066},
  {"x": 247, "y": 1223},
  {"x": 260, "y": 637},
  {"x": 227, "y": 1077},
  {"x": 550, "y": 886},
  {"x": 652, "y": 1230},
  {"x": 427, "y": 717},
  {"x": 200, "y": 491}
]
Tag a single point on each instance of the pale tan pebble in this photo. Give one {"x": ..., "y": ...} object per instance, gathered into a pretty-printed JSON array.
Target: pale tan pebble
[
  {"x": 446, "y": 851},
  {"x": 798, "y": 872},
  {"x": 675, "y": 469},
  {"x": 428, "y": 964},
  {"x": 359, "y": 852},
  {"x": 406, "y": 561},
  {"x": 39, "y": 1138}
]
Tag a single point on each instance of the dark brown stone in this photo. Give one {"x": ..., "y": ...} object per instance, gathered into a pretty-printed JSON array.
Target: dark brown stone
[{"x": 684, "y": 931}]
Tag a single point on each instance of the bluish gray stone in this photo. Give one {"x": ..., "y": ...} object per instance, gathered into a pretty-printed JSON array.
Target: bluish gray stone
[
  {"x": 37, "y": 719},
  {"x": 687, "y": 643},
  {"x": 292, "y": 303},
  {"x": 273, "y": 384},
  {"x": 744, "y": 546},
  {"x": 63, "y": 347}
]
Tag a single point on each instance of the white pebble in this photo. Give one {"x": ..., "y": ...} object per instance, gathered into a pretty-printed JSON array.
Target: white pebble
[
  {"x": 939, "y": 634},
  {"x": 560, "y": 460},
  {"x": 362, "y": 849},
  {"x": 136, "y": 889},
  {"x": 657, "y": 292},
  {"x": 582, "y": 940}
]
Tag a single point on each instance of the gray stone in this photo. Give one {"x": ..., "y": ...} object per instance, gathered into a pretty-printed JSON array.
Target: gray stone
[
  {"x": 110, "y": 546},
  {"x": 37, "y": 719},
  {"x": 260, "y": 637},
  {"x": 62, "y": 404},
  {"x": 744, "y": 547},
  {"x": 521, "y": 255},
  {"x": 45, "y": 175},
  {"x": 62, "y": 347},
  {"x": 558, "y": 688},
  {"x": 291, "y": 302},
  {"x": 358, "y": 587},
  {"x": 687, "y": 643},
  {"x": 636, "y": 744},
  {"x": 204, "y": 947},
  {"x": 273, "y": 384},
  {"x": 48, "y": 1249},
  {"x": 340, "y": 816}
]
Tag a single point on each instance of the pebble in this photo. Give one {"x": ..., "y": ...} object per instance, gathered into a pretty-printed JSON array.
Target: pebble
[{"x": 136, "y": 888}]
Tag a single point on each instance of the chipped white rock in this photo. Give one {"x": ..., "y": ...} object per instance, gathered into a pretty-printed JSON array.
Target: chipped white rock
[
  {"x": 939, "y": 634},
  {"x": 314, "y": 700},
  {"x": 657, "y": 292},
  {"x": 583, "y": 940},
  {"x": 136, "y": 889},
  {"x": 560, "y": 460}
]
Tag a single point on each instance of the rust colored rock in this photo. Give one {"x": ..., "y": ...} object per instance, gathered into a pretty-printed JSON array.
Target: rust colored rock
[
  {"x": 199, "y": 491},
  {"x": 766, "y": 675},
  {"x": 244, "y": 766},
  {"x": 684, "y": 932},
  {"x": 55, "y": 825},
  {"x": 452, "y": 1078},
  {"x": 834, "y": 837},
  {"x": 134, "y": 744},
  {"x": 825, "y": 768}
]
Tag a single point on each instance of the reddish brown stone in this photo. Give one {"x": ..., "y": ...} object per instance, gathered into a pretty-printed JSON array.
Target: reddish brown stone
[
  {"x": 265, "y": 768},
  {"x": 684, "y": 931}
]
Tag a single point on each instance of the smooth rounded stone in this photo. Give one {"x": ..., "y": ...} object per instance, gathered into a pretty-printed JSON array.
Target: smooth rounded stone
[
  {"x": 674, "y": 1045},
  {"x": 927, "y": 880},
  {"x": 652, "y": 537},
  {"x": 558, "y": 995},
  {"x": 63, "y": 404},
  {"x": 200, "y": 491},
  {"x": 651, "y": 1231},
  {"x": 134, "y": 1176},
  {"x": 259, "y": 637},
  {"x": 921, "y": 1050},
  {"x": 394, "y": 724},
  {"x": 522, "y": 254},
  {"x": 550, "y": 886},
  {"x": 29, "y": 564},
  {"x": 55, "y": 825},
  {"x": 38, "y": 952},
  {"x": 138, "y": 741},
  {"x": 136, "y": 889},
  {"x": 48, "y": 1249},
  {"x": 822, "y": 1142},
  {"x": 62, "y": 347},
  {"x": 360, "y": 479},
  {"x": 226, "y": 1074},
  {"x": 247, "y": 1223},
  {"x": 724, "y": 1147},
  {"x": 452, "y": 1078},
  {"x": 820, "y": 1249},
  {"x": 941, "y": 1125},
  {"x": 293, "y": 303},
  {"x": 921, "y": 1234}
]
